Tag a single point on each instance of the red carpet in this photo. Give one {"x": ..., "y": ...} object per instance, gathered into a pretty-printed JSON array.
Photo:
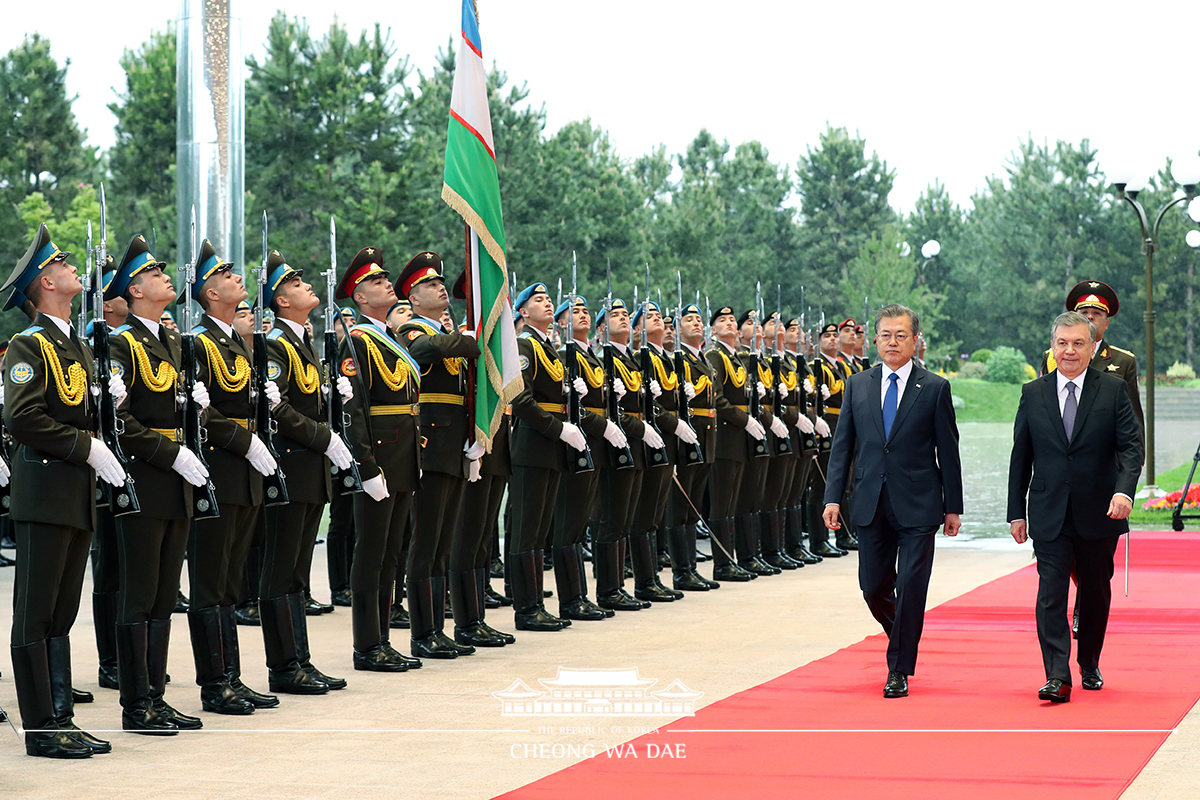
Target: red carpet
[{"x": 973, "y": 726}]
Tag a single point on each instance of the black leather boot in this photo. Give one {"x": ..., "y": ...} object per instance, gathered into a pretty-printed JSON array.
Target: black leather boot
[
  {"x": 137, "y": 708},
  {"x": 31, "y": 672},
  {"x": 610, "y": 575},
  {"x": 572, "y": 596},
  {"x": 58, "y": 653},
  {"x": 369, "y": 654},
  {"x": 483, "y": 584},
  {"x": 424, "y": 616},
  {"x": 296, "y": 605},
  {"x": 467, "y": 604},
  {"x": 384, "y": 606},
  {"x": 745, "y": 527},
  {"x": 724, "y": 568},
  {"x": 583, "y": 582},
  {"x": 645, "y": 569},
  {"x": 794, "y": 536},
  {"x": 690, "y": 531},
  {"x": 683, "y": 548},
  {"x": 770, "y": 534},
  {"x": 658, "y": 536},
  {"x": 158, "y": 641},
  {"x": 216, "y": 695},
  {"x": 104, "y": 614},
  {"x": 523, "y": 571},
  {"x": 284, "y": 673},
  {"x": 441, "y": 594},
  {"x": 233, "y": 662}
]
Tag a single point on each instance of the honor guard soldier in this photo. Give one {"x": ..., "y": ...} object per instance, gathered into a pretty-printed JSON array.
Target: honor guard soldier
[
  {"x": 151, "y": 543},
  {"x": 577, "y": 491},
  {"x": 782, "y": 466},
  {"x": 736, "y": 429},
  {"x": 804, "y": 444},
  {"x": 683, "y": 515},
  {"x": 339, "y": 537},
  {"x": 446, "y": 458},
  {"x": 541, "y": 438},
  {"x": 384, "y": 437},
  {"x": 238, "y": 460},
  {"x": 831, "y": 384},
  {"x": 860, "y": 347},
  {"x": 49, "y": 413},
  {"x": 651, "y": 508},
  {"x": 847, "y": 359},
  {"x": 306, "y": 447}
]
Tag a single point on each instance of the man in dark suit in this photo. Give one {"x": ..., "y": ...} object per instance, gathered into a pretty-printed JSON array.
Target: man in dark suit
[
  {"x": 897, "y": 421},
  {"x": 1077, "y": 455}
]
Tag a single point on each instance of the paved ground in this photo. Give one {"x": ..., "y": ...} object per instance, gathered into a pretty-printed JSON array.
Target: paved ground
[{"x": 440, "y": 728}]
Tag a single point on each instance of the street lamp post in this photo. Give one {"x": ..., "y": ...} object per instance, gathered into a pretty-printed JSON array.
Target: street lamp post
[{"x": 1150, "y": 243}]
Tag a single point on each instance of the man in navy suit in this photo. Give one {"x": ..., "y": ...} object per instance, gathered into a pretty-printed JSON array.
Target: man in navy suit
[
  {"x": 898, "y": 420},
  {"x": 1077, "y": 455}
]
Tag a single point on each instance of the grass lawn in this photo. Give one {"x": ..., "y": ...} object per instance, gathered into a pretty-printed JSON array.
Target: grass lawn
[{"x": 986, "y": 401}]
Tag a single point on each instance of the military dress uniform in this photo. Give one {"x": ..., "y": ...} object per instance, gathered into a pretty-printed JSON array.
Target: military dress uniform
[
  {"x": 438, "y": 504},
  {"x": 754, "y": 481},
  {"x": 781, "y": 471},
  {"x": 828, "y": 373},
  {"x": 384, "y": 436},
  {"x": 49, "y": 413},
  {"x": 806, "y": 448}
]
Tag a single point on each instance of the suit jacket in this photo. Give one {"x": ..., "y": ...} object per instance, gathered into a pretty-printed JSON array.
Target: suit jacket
[
  {"x": 919, "y": 460},
  {"x": 152, "y": 416},
  {"x": 229, "y": 414},
  {"x": 51, "y": 480},
  {"x": 1104, "y": 457},
  {"x": 302, "y": 437}
]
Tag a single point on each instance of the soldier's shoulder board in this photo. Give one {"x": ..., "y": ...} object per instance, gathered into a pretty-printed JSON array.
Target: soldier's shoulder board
[
  {"x": 1122, "y": 350},
  {"x": 122, "y": 329},
  {"x": 525, "y": 335},
  {"x": 30, "y": 331},
  {"x": 275, "y": 333}
]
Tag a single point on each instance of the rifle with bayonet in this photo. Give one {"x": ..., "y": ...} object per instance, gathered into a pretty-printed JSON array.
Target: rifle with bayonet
[
  {"x": 120, "y": 499},
  {"x": 623, "y": 456},
  {"x": 692, "y": 454},
  {"x": 345, "y": 481},
  {"x": 204, "y": 498},
  {"x": 275, "y": 491},
  {"x": 655, "y": 456},
  {"x": 783, "y": 444},
  {"x": 753, "y": 401},
  {"x": 581, "y": 460}
]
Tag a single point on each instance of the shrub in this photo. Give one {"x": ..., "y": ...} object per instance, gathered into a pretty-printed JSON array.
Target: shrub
[
  {"x": 981, "y": 356},
  {"x": 1030, "y": 373},
  {"x": 974, "y": 369},
  {"x": 1006, "y": 365},
  {"x": 1181, "y": 370}
]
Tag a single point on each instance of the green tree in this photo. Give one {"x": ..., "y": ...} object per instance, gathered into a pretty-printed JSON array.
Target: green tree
[
  {"x": 141, "y": 195},
  {"x": 884, "y": 274}
]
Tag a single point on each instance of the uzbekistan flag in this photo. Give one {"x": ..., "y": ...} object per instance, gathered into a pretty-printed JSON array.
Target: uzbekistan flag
[{"x": 472, "y": 189}]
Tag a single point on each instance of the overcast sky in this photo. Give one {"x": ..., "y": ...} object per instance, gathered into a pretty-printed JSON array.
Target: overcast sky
[{"x": 940, "y": 90}]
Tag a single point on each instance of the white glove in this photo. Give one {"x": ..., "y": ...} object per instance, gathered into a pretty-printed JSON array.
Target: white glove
[
  {"x": 689, "y": 390},
  {"x": 259, "y": 458},
  {"x": 804, "y": 424},
  {"x": 573, "y": 436},
  {"x": 808, "y": 385},
  {"x": 778, "y": 428},
  {"x": 344, "y": 388},
  {"x": 105, "y": 463},
  {"x": 580, "y": 387},
  {"x": 473, "y": 468},
  {"x": 188, "y": 465},
  {"x": 116, "y": 387},
  {"x": 655, "y": 389},
  {"x": 824, "y": 392},
  {"x": 474, "y": 450},
  {"x": 619, "y": 387},
  {"x": 338, "y": 453},
  {"x": 376, "y": 488},
  {"x": 1, "y": 393},
  {"x": 4, "y": 474},
  {"x": 272, "y": 392},
  {"x": 685, "y": 433},
  {"x": 755, "y": 429},
  {"x": 822, "y": 427},
  {"x": 762, "y": 389},
  {"x": 614, "y": 435},
  {"x": 200, "y": 394},
  {"x": 782, "y": 389},
  {"x": 651, "y": 437}
]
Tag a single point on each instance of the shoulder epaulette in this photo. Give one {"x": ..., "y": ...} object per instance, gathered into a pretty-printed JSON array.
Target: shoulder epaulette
[
  {"x": 30, "y": 331},
  {"x": 525, "y": 335},
  {"x": 1122, "y": 350},
  {"x": 122, "y": 329},
  {"x": 199, "y": 329},
  {"x": 275, "y": 333}
]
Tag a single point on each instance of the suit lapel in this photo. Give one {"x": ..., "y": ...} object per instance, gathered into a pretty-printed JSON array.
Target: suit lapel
[
  {"x": 1086, "y": 397},
  {"x": 874, "y": 403},
  {"x": 916, "y": 382},
  {"x": 1050, "y": 396}
]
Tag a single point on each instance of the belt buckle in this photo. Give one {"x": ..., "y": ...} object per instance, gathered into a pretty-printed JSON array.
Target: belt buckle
[{"x": 416, "y": 409}]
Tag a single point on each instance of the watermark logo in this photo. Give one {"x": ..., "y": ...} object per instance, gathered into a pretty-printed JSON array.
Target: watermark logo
[{"x": 597, "y": 692}]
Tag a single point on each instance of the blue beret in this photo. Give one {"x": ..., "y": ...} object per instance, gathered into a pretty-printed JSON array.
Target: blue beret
[
  {"x": 528, "y": 292},
  {"x": 580, "y": 300},
  {"x": 616, "y": 303},
  {"x": 637, "y": 315}
]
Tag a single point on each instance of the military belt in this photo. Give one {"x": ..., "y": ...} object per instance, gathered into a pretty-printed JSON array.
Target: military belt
[
  {"x": 443, "y": 399},
  {"x": 599, "y": 412},
  {"x": 704, "y": 412},
  {"x": 393, "y": 411},
  {"x": 248, "y": 424},
  {"x": 174, "y": 434},
  {"x": 835, "y": 410},
  {"x": 553, "y": 408}
]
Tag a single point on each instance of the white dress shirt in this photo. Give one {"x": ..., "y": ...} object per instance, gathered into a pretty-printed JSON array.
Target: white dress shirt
[
  {"x": 902, "y": 374},
  {"x": 1063, "y": 380}
]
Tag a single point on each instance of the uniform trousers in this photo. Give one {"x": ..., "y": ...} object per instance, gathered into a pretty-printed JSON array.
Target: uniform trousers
[
  {"x": 150, "y": 554},
  {"x": 51, "y": 561},
  {"x": 287, "y": 548},
  {"x": 437, "y": 506},
  {"x": 216, "y": 554}
]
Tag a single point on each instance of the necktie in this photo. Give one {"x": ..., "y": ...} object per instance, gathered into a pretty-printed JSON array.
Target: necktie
[
  {"x": 1069, "y": 409},
  {"x": 162, "y": 337},
  {"x": 889, "y": 404}
]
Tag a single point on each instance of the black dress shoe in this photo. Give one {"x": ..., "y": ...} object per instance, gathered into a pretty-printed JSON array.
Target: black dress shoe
[
  {"x": 98, "y": 746},
  {"x": 1055, "y": 691},
  {"x": 340, "y": 597},
  {"x": 490, "y": 600},
  {"x": 846, "y": 544},
  {"x": 294, "y": 680},
  {"x": 689, "y": 581},
  {"x": 897, "y": 684},
  {"x": 375, "y": 660},
  {"x": 781, "y": 561},
  {"x": 801, "y": 553},
  {"x": 220, "y": 698},
  {"x": 181, "y": 603},
  {"x": 1092, "y": 681},
  {"x": 607, "y": 612},
  {"x": 628, "y": 596},
  {"x": 702, "y": 557},
  {"x": 619, "y": 602},
  {"x": 396, "y": 655},
  {"x": 477, "y": 636},
  {"x": 732, "y": 572},
  {"x": 826, "y": 550},
  {"x": 678, "y": 595},
  {"x": 108, "y": 677},
  {"x": 314, "y": 609},
  {"x": 538, "y": 620},
  {"x": 495, "y": 597},
  {"x": 664, "y": 561},
  {"x": 582, "y": 610},
  {"x": 56, "y": 744},
  {"x": 758, "y": 567},
  {"x": 496, "y": 568},
  {"x": 399, "y": 617},
  {"x": 182, "y": 721},
  {"x": 1075, "y": 625},
  {"x": 507, "y": 638},
  {"x": 248, "y": 615},
  {"x": 80, "y": 696},
  {"x": 328, "y": 680},
  {"x": 256, "y": 699},
  {"x": 653, "y": 594},
  {"x": 462, "y": 649},
  {"x": 430, "y": 646}
]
